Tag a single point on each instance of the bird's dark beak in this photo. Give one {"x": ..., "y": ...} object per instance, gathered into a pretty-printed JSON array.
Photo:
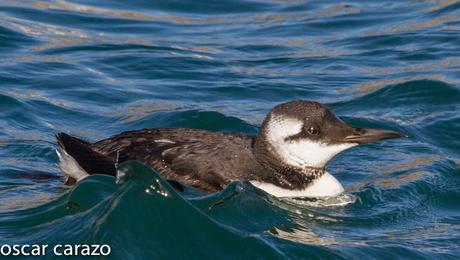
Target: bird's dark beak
[{"x": 367, "y": 135}]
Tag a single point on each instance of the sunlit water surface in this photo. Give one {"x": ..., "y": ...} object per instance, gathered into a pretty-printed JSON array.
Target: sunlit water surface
[{"x": 95, "y": 68}]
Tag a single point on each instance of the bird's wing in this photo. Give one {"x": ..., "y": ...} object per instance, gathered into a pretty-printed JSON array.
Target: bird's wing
[{"x": 206, "y": 160}]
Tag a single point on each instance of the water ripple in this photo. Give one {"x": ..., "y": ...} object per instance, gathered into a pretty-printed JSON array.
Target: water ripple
[{"x": 97, "y": 68}]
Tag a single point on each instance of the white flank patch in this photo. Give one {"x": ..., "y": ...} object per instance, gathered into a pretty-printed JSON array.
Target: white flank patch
[
  {"x": 69, "y": 166},
  {"x": 324, "y": 186},
  {"x": 302, "y": 152},
  {"x": 164, "y": 141}
]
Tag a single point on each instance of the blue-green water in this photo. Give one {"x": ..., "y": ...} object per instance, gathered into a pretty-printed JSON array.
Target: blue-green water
[{"x": 94, "y": 69}]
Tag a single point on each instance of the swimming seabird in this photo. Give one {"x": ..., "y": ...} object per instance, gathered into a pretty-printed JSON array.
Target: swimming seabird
[{"x": 287, "y": 158}]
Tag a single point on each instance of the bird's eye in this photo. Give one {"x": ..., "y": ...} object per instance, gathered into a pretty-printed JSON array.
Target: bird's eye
[{"x": 313, "y": 130}]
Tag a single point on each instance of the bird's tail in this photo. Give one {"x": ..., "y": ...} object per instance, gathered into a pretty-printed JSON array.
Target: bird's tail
[{"x": 77, "y": 160}]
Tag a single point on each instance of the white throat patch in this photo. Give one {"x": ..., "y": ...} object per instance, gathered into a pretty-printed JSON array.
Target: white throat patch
[{"x": 303, "y": 152}]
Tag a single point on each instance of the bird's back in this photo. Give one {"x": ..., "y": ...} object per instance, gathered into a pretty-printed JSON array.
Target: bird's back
[{"x": 203, "y": 159}]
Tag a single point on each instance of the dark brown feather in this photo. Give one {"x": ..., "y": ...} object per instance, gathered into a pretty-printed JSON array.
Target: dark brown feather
[
  {"x": 205, "y": 160},
  {"x": 90, "y": 160}
]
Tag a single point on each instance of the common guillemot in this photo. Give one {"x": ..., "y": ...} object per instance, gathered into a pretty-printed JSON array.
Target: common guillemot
[{"x": 286, "y": 158}]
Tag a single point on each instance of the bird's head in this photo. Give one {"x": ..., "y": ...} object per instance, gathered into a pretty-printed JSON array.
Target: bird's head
[{"x": 308, "y": 134}]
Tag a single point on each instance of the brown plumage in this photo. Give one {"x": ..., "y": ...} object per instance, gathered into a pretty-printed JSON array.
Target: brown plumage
[
  {"x": 203, "y": 159},
  {"x": 210, "y": 160}
]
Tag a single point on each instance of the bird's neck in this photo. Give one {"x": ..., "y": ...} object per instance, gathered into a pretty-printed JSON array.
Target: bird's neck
[
  {"x": 283, "y": 180},
  {"x": 281, "y": 174}
]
